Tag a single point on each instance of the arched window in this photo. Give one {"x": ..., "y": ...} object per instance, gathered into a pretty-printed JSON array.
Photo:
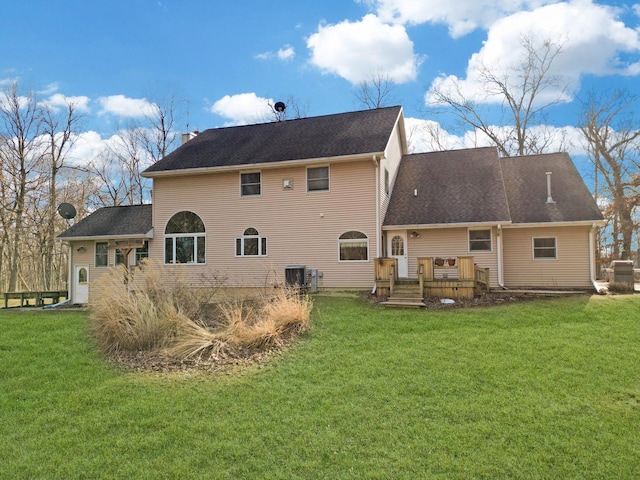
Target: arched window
[
  {"x": 251, "y": 244},
  {"x": 184, "y": 239},
  {"x": 82, "y": 275},
  {"x": 397, "y": 246},
  {"x": 354, "y": 247}
]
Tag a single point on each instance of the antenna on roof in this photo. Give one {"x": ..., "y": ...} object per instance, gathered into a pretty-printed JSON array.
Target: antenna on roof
[
  {"x": 279, "y": 107},
  {"x": 67, "y": 211}
]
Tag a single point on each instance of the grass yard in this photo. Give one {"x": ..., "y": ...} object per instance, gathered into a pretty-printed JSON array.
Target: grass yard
[{"x": 542, "y": 389}]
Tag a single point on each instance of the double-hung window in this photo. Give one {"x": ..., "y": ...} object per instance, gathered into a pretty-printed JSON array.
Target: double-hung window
[
  {"x": 184, "y": 239},
  {"x": 251, "y": 244},
  {"x": 318, "y": 179},
  {"x": 250, "y": 185},
  {"x": 480, "y": 240},
  {"x": 102, "y": 254},
  {"x": 544, "y": 248}
]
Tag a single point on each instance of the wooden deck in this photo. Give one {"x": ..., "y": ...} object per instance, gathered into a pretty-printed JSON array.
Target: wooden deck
[{"x": 455, "y": 277}]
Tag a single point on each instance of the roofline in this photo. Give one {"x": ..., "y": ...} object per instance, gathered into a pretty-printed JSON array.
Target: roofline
[
  {"x": 149, "y": 234},
  {"x": 433, "y": 226},
  {"x": 586, "y": 223},
  {"x": 263, "y": 166}
]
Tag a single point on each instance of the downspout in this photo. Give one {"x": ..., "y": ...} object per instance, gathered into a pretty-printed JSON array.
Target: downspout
[
  {"x": 378, "y": 233},
  {"x": 69, "y": 273},
  {"x": 592, "y": 257},
  {"x": 500, "y": 273}
]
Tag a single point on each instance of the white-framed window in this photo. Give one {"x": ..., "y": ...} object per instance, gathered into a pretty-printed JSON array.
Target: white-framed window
[
  {"x": 251, "y": 244},
  {"x": 102, "y": 254},
  {"x": 545, "y": 248},
  {"x": 184, "y": 239},
  {"x": 353, "y": 247},
  {"x": 250, "y": 184},
  {"x": 119, "y": 257},
  {"x": 318, "y": 179},
  {"x": 480, "y": 240}
]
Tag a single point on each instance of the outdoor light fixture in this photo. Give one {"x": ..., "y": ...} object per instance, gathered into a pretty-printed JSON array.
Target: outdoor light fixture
[{"x": 81, "y": 250}]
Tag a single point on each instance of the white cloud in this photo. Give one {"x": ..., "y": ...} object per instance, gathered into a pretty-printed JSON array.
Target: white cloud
[
  {"x": 591, "y": 37},
  {"x": 461, "y": 16},
  {"x": 354, "y": 50},
  {"x": 125, "y": 107},
  {"x": 57, "y": 101},
  {"x": 243, "y": 108},
  {"x": 285, "y": 53}
]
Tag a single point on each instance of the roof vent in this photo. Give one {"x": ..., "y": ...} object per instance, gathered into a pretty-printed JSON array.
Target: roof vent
[{"x": 549, "y": 197}]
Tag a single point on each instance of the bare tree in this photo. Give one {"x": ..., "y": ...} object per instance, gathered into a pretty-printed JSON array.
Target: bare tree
[
  {"x": 59, "y": 131},
  {"x": 613, "y": 139},
  {"x": 376, "y": 91},
  {"x": 21, "y": 150},
  {"x": 521, "y": 92}
]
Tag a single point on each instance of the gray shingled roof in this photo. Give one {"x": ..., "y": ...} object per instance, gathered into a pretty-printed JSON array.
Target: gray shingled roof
[
  {"x": 349, "y": 133},
  {"x": 525, "y": 181},
  {"x": 133, "y": 220},
  {"x": 460, "y": 186},
  {"x": 477, "y": 186}
]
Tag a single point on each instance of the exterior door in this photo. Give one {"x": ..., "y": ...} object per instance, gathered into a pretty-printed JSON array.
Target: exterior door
[
  {"x": 81, "y": 284},
  {"x": 398, "y": 249}
]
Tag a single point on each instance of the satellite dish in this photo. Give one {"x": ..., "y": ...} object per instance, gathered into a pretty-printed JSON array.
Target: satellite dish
[
  {"x": 279, "y": 106},
  {"x": 67, "y": 211}
]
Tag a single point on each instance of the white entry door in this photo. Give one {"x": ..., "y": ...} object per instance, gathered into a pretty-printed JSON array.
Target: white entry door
[
  {"x": 398, "y": 248},
  {"x": 81, "y": 284}
]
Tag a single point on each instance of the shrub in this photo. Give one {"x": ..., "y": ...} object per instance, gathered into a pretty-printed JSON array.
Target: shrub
[{"x": 620, "y": 287}]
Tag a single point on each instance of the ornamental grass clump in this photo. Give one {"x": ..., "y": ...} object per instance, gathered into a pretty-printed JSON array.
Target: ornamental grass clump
[
  {"x": 245, "y": 327},
  {"x": 127, "y": 319}
]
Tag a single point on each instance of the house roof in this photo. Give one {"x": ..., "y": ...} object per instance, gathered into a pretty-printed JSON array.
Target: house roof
[
  {"x": 477, "y": 186},
  {"x": 132, "y": 220},
  {"x": 525, "y": 181},
  {"x": 343, "y": 134},
  {"x": 452, "y": 187}
]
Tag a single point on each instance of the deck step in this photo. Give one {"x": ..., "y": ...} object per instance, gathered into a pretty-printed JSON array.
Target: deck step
[{"x": 404, "y": 303}]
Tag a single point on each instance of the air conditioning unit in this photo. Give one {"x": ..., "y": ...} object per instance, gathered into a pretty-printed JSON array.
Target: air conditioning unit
[{"x": 296, "y": 276}]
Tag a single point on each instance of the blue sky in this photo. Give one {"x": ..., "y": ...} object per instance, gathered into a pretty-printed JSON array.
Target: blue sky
[{"x": 225, "y": 60}]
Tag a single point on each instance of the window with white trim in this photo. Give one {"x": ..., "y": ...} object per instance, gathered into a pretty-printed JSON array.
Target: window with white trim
[
  {"x": 480, "y": 240},
  {"x": 397, "y": 246},
  {"x": 353, "y": 246},
  {"x": 250, "y": 184},
  {"x": 184, "y": 239},
  {"x": 251, "y": 244},
  {"x": 102, "y": 254},
  {"x": 318, "y": 179},
  {"x": 544, "y": 248}
]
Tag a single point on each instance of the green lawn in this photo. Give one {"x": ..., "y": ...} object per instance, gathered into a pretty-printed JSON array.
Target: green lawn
[{"x": 543, "y": 389}]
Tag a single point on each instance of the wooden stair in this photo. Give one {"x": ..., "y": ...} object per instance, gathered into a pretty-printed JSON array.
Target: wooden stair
[{"x": 406, "y": 294}]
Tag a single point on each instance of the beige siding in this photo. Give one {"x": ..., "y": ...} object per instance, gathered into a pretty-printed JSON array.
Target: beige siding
[
  {"x": 393, "y": 155},
  {"x": 301, "y": 228},
  {"x": 570, "y": 269},
  {"x": 451, "y": 242},
  {"x": 88, "y": 258}
]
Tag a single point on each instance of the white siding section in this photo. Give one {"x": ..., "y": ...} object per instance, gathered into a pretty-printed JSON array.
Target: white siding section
[
  {"x": 569, "y": 269},
  {"x": 301, "y": 228}
]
